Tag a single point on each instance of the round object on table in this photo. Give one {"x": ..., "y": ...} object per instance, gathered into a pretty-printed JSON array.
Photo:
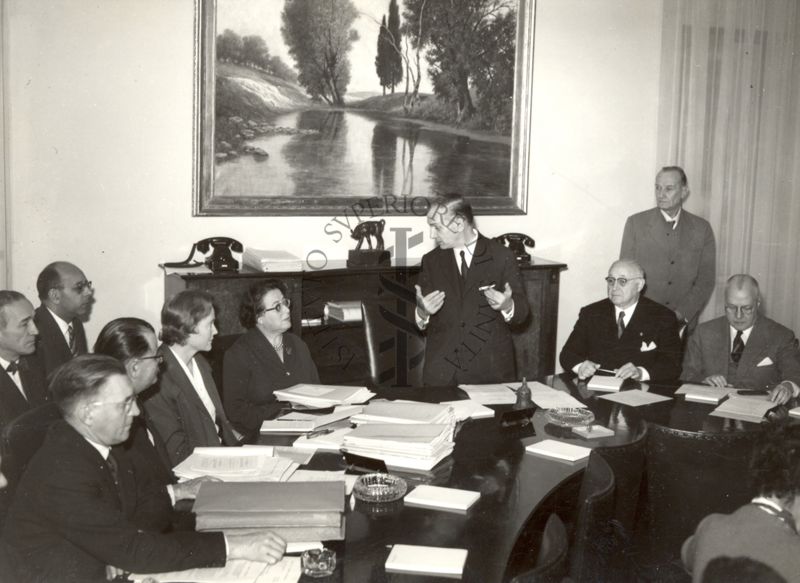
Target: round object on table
[
  {"x": 569, "y": 416},
  {"x": 379, "y": 488}
]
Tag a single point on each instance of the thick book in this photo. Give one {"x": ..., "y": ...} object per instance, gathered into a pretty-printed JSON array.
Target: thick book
[
  {"x": 703, "y": 393},
  {"x": 220, "y": 520},
  {"x": 344, "y": 311},
  {"x": 559, "y": 450},
  {"x": 750, "y": 409},
  {"x": 602, "y": 383},
  {"x": 421, "y": 560},
  {"x": 266, "y": 497},
  {"x": 296, "y": 534},
  {"x": 438, "y": 498}
]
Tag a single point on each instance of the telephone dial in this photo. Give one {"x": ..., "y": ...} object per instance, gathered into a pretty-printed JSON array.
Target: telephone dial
[
  {"x": 220, "y": 260},
  {"x": 517, "y": 242}
]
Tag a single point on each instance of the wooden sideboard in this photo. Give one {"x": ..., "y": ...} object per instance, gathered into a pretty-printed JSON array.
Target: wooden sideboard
[{"x": 338, "y": 349}]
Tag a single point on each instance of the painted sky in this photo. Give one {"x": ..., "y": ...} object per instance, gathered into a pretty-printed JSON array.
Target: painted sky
[{"x": 263, "y": 17}]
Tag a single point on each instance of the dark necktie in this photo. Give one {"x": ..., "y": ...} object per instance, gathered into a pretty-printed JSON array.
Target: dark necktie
[
  {"x": 73, "y": 346},
  {"x": 113, "y": 468},
  {"x": 12, "y": 368},
  {"x": 620, "y": 324},
  {"x": 738, "y": 347},
  {"x": 464, "y": 268}
]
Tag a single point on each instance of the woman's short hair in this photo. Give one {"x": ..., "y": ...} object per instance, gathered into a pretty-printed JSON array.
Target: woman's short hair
[
  {"x": 124, "y": 339},
  {"x": 775, "y": 465},
  {"x": 252, "y": 305},
  {"x": 81, "y": 378},
  {"x": 181, "y": 314}
]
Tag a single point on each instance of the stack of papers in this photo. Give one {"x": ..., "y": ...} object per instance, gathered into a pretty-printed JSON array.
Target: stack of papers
[
  {"x": 322, "y": 396},
  {"x": 559, "y": 450},
  {"x": 745, "y": 408},
  {"x": 703, "y": 393},
  {"x": 326, "y": 476},
  {"x": 549, "y": 398},
  {"x": 490, "y": 394},
  {"x": 296, "y": 511},
  {"x": 268, "y": 260},
  {"x": 287, "y": 570},
  {"x": 439, "y": 498},
  {"x": 601, "y": 383},
  {"x": 404, "y": 412},
  {"x": 344, "y": 311},
  {"x": 325, "y": 442},
  {"x": 236, "y": 464},
  {"x": 419, "y": 560},
  {"x": 469, "y": 409},
  {"x": 402, "y": 445},
  {"x": 306, "y": 422}
]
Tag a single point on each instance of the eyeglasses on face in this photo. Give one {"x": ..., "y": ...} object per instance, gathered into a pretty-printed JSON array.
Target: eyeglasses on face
[
  {"x": 740, "y": 310},
  {"x": 159, "y": 358},
  {"x": 80, "y": 286},
  {"x": 127, "y": 404},
  {"x": 622, "y": 281},
  {"x": 278, "y": 307}
]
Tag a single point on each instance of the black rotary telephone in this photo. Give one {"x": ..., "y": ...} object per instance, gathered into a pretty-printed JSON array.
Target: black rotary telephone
[
  {"x": 220, "y": 260},
  {"x": 517, "y": 242}
]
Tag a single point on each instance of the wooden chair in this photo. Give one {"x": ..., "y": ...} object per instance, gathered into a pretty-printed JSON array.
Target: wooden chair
[
  {"x": 395, "y": 346},
  {"x": 551, "y": 561},
  {"x": 593, "y": 544},
  {"x": 22, "y": 438}
]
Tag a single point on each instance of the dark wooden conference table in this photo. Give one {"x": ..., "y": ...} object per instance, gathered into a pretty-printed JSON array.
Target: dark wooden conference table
[{"x": 513, "y": 484}]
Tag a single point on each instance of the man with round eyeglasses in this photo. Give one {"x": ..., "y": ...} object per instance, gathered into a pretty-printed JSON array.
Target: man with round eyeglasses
[
  {"x": 67, "y": 298},
  {"x": 743, "y": 348},
  {"x": 626, "y": 334}
]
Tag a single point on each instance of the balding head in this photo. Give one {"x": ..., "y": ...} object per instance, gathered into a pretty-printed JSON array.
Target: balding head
[
  {"x": 632, "y": 274},
  {"x": 742, "y": 299},
  {"x": 64, "y": 289}
]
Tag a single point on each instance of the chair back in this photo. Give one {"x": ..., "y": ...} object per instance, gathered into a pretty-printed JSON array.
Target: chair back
[
  {"x": 593, "y": 543},
  {"x": 395, "y": 346},
  {"x": 689, "y": 475},
  {"x": 23, "y": 437},
  {"x": 216, "y": 357},
  {"x": 551, "y": 561}
]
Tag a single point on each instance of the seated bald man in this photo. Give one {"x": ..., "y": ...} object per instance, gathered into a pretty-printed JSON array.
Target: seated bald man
[
  {"x": 79, "y": 508},
  {"x": 743, "y": 348},
  {"x": 626, "y": 333}
]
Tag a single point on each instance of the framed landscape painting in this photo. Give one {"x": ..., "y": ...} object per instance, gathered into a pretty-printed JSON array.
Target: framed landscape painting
[{"x": 311, "y": 107}]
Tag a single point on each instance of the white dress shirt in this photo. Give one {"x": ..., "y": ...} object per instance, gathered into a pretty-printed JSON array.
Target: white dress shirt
[{"x": 14, "y": 377}]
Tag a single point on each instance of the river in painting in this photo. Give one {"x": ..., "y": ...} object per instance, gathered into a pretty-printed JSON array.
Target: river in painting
[{"x": 352, "y": 153}]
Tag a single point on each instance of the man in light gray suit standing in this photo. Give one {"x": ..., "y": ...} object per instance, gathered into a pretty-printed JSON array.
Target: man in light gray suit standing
[{"x": 676, "y": 249}]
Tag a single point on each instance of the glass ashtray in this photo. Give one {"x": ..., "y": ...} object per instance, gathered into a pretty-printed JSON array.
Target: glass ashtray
[
  {"x": 379, "y": 488},
  {"x": 569, "y": 416}
]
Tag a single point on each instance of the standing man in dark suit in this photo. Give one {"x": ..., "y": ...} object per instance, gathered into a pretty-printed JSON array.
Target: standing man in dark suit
[
  {"x": 67, "y": 298},
  {"x": 744, "y": 349},
  {"x": 22, "y": 384},
  {"x": 675, "y": 248},
  {"x": 627, "y": 333},
  {"x": 468, "y": 295},
  {"x": 79, "y": 507}
]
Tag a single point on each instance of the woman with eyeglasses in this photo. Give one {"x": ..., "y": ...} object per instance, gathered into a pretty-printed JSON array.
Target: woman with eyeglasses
[
  {"x": 185, "y": 408},
  {"x": 266, "y": 358}
]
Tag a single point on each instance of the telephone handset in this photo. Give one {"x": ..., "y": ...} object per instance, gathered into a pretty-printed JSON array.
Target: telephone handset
[
  {"x": 517, "y": 242},
  {"x": 220, "y": 260}
]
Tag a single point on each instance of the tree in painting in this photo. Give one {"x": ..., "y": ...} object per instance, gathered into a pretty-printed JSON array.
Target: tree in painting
[{"x": 319, "y": 36}]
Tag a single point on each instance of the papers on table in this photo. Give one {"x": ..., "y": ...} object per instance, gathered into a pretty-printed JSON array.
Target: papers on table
[
  {"x": 325, "y": 476},
  {"x": 438, "y": 498},
  {"x": 325, "y": 442},
  {"x": 236, "y": 464},
  {"x": 745, "y": 408},
  {"x": 422, "y": 560},
  {"x": 321, "y": 396},
  {"x": 469, "y": 409},
  {"x": 490, "y": 394},
  {"x": 404, "y": 412},
  {"x": 602, "y": 383},
  {"x": 549, "y": 398},
  {"x": 559, "y": 450},
  {"x": 635, "y": 398},
  {"x": 402, "y": 445},
  {"x": 296, "y": 422},
  {"x": 703, "y": 393},
  {"x": 288, "y": 570},
  {"x": 590, "y": 432}
]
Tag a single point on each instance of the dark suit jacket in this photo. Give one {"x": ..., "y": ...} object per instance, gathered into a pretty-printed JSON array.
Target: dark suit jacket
[
  {"x": 12, "y": 403},
  {"x": 52, "y": 349},
  {"x": 466, "y": 340},
  {"x": 252, "y": 372},
  {"x": 147, "y": 459},
  {"x": 69, "y": 520},
  {"x": 175, "y": 411},
  {"x": 709, "y": 350},
  {"x": 595, "y": 338},
  {"x": 680, "y": 274}
]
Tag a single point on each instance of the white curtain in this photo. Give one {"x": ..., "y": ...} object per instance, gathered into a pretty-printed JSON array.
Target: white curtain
[
  {"x": 730, "y": 115},
  {"x": 4, "y": 238}
]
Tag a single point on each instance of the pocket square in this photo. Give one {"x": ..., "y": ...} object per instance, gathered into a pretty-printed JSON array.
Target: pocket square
[
  {"x": 647, "y": 346},
  {"x": 766, "y": 362}
]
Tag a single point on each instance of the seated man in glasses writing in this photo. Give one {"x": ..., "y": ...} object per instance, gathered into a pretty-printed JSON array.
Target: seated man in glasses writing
[
  {"x": 627, "y": 334},
  {"x": 744, "y": 349}
]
